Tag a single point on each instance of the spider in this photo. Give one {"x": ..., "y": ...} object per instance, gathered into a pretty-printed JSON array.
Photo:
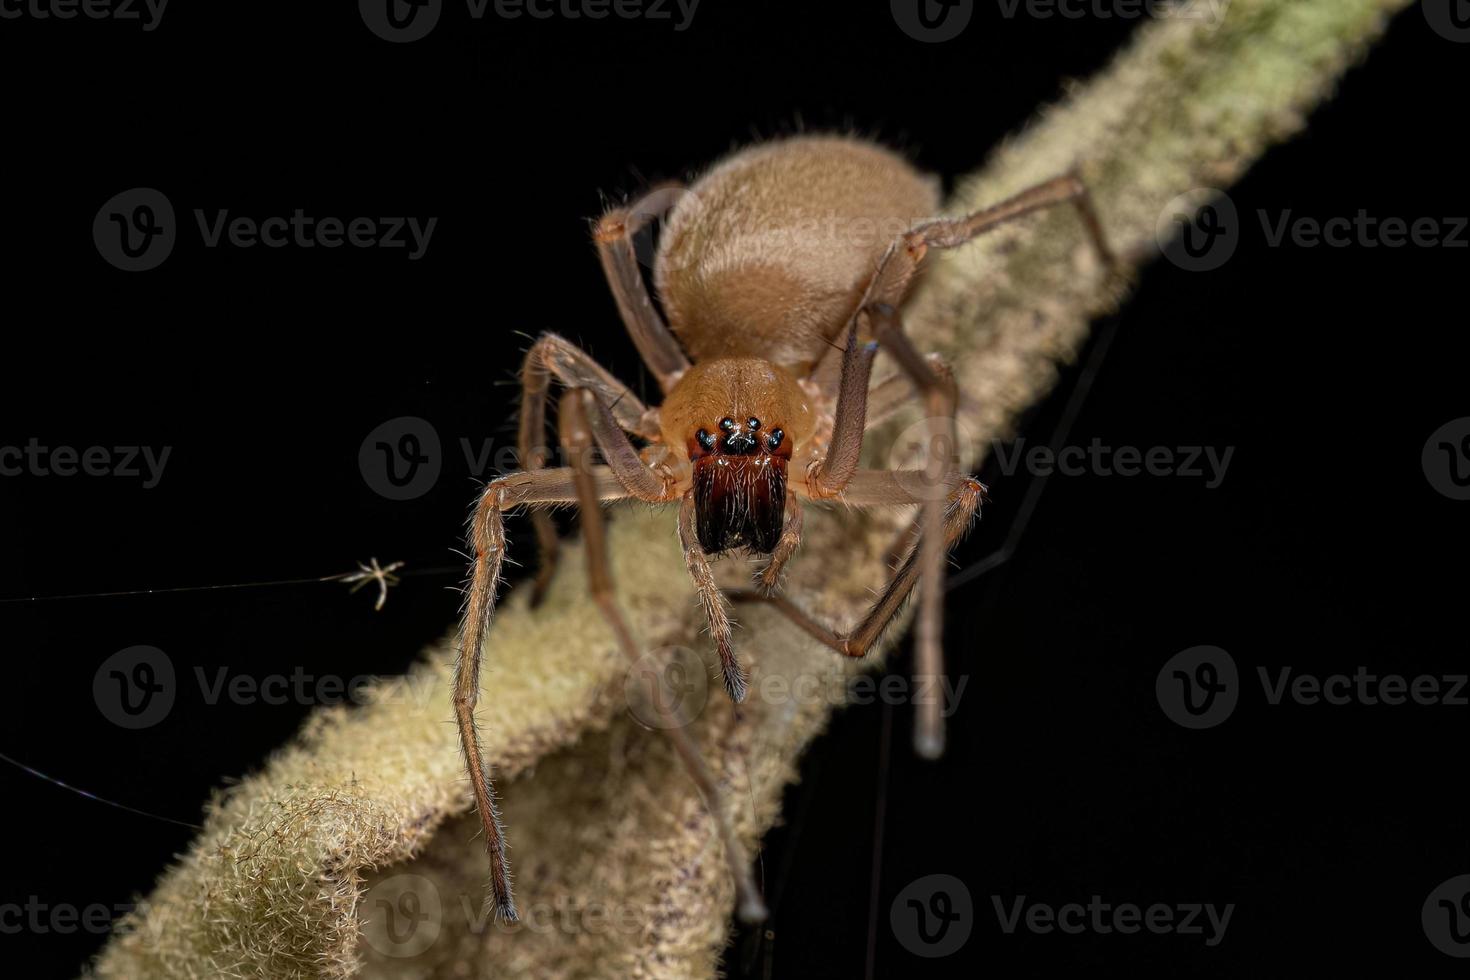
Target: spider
[{"x": 764, "y": 264}]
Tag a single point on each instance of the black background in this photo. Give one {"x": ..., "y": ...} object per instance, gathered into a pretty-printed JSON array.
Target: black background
[{"x": 1325, "y": 548}]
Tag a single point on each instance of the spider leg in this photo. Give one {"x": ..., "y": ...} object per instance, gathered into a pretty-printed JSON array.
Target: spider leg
[
  {"x": 884, "y": 488},
  {"x": 896, "y": 270},
  {"x": 940, "y": 399},
  {"x": 769, "y": 577},
  {"x": 487, "y": 544},
  {"x": 885, "y": 399},
  {"x": 578, "y": 433},
  {"x": 614, "y": 236},
  {"x": 711, "y": 599},
  {"x": 888, "y": 395},
  {"x": 831, "y": 474},
  {"x": 552, "y": 355}
]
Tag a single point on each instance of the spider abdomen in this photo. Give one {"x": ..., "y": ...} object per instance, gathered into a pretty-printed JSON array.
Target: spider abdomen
[{"x": 768, "y": 253}]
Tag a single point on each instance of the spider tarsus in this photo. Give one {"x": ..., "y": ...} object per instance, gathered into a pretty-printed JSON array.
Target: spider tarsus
[
  {"x": 929, "y": 745},
  {"x": 753, "y": 910},
  {"x": 736, "y": 684},
  {"x": 502, "y": 906}
]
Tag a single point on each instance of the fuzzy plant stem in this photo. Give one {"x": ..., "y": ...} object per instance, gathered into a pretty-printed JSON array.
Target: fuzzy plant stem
[{"x": 351, "y": 853}]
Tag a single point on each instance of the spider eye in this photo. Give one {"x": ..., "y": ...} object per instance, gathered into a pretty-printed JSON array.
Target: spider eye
[
  {"x": 726, "y": 424},
  {"x": 705, "y": 439},
  {"x": 773, "y": 441},
  {"x": 753, "y": 422}
]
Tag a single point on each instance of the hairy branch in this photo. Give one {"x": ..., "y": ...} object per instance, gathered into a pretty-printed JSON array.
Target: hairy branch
[{"x": 618, "y": 869}]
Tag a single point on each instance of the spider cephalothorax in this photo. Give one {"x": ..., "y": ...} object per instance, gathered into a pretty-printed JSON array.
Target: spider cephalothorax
[
  {"x": 740, "y": 487},
  {"x": 739, "y": 421},
  {"x": 768, "y": 270}
]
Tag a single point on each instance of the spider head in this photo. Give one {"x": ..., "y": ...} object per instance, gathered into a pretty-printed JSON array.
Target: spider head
[
  {"x": 740, "y": 485},
  {"x": 739, "y": 437},
  {"x": 738, "y": 420}
]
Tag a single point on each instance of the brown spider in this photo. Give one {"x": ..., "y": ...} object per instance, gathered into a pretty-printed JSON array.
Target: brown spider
[{"x": 763, "y": 264}]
